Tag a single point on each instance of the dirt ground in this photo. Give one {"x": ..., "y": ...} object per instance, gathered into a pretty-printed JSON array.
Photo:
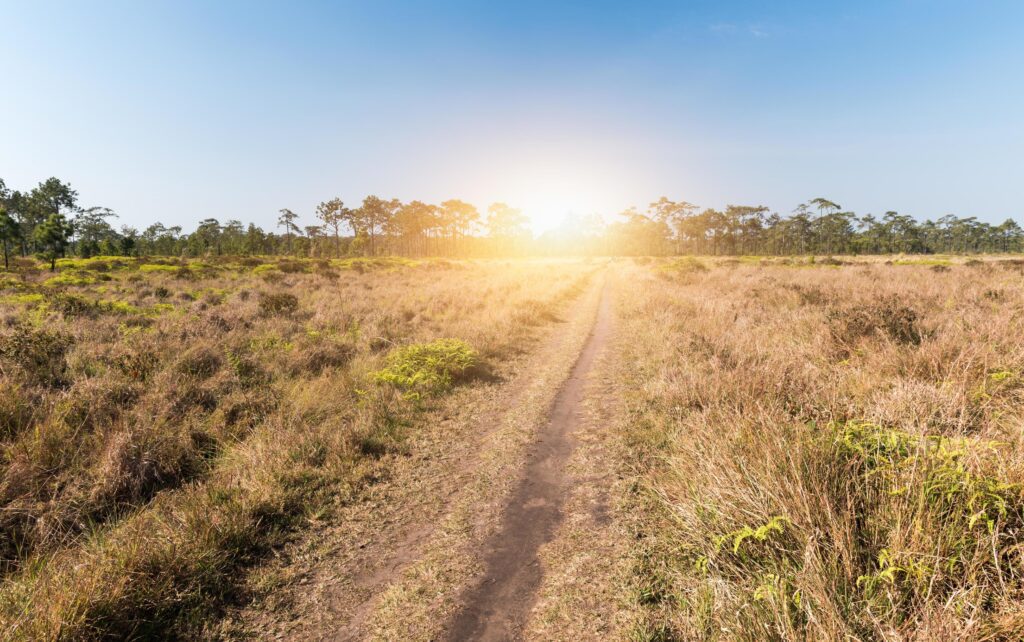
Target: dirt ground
[{"x": 498, "y": 524}]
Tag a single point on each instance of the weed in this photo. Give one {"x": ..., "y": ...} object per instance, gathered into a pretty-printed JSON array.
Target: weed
[{"x": 427, "y": 368}]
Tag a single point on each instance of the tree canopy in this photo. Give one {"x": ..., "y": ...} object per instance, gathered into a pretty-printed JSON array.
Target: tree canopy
[{"x": 48, "y": 220}]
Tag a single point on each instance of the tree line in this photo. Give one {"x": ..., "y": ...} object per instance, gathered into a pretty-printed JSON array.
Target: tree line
[{"x": 48, "y": 221}]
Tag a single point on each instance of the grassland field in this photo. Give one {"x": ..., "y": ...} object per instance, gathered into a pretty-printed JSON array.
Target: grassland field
[{"x": 775, "y": 448}]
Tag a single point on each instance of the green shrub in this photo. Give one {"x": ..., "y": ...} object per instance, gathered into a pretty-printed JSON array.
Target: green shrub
[
  {"x": 427, "y": 368},
  {"x": 158, "y": 267},
  {"x": 683, "y": 265}
]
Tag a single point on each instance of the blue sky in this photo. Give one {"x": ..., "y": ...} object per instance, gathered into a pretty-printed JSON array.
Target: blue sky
[{"x": 178, "y": 111}]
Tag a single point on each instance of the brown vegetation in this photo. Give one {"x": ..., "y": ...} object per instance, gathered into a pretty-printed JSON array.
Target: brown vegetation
[
  {"x": 159, "y": 434},
  {"x": 828, "y": 452}
]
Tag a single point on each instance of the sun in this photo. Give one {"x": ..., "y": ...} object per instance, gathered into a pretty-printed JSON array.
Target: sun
[
  {"x": 551, "y": 181},
  {"x": 548, "y": 194}
]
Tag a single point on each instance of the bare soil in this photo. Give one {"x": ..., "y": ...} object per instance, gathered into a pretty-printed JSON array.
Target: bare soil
[{"x": 497, "y": 606}]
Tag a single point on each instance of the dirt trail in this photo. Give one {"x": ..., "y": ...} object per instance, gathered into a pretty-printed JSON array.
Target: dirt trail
[
  {"x": 395, "y": 565},
  {"x": 496, "y": 608}
]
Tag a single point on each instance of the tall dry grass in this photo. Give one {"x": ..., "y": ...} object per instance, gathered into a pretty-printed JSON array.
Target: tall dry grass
[
  {"x": 163, "y": 425},
  {"x": 826, "y": 452}
]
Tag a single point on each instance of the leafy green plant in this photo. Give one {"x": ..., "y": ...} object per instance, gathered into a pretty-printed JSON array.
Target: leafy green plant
[
  {"x": 763, "y": 533},
  {"x": 427, "y": 368},
  {"x": 969, "y": 519}
]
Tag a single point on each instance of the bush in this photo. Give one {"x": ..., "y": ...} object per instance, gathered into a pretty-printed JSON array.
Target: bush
[
  {"x": 427, "y": 368},
  {"x": 278, "y": 304},
  {"x": 887, "y": 316},
  {"x": 681, "y": 267},
  {"x": 38, "y": 354},
  {"x": 72, "y": 305}
]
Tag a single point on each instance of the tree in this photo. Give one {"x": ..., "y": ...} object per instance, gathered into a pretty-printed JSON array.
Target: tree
[
  {"x": 52, "y": 237},
  {"x": 674, "y": 215},
  {"x": 458, "y": 217},
  {"x": 334, "y": 214},
  {"x": 287, "y": 221},
  {"x": 49, "y": 197},
  {"x": 412, "y": 223},
  {"x": 207, "y": 237},
  {"x": 129, "y": 240},
  {"x": 313, "y": 232},
  {"x": 10, "y": 232},
  {"x": 91, "y": 228},
  {"x": 639, "y": 234},
  {"x": 232, "y": 237},
  {"x": 374, "y": 216},
  {"x": 506, "y": 224}
]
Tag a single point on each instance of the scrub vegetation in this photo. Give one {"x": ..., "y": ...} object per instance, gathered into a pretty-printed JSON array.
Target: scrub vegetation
[
  {"x": 830, "y": 453},
  {"x": 166, "y": 423}
]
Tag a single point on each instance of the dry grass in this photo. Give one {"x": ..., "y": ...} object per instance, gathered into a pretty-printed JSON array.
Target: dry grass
[
  {"x": 827, "y": 453},
  {"x": 164, "y": 424}
]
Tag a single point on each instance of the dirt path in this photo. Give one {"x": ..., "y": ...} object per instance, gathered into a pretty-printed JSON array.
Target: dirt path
[
  {"x": 496, "y": 608},
  {"x": 395, "y": 565}
]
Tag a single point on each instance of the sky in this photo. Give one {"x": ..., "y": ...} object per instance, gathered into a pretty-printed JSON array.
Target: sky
[{"x": 180, "y": 111}]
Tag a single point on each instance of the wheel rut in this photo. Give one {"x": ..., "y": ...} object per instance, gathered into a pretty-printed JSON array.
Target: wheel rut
[{"x": 496, "y": 607}]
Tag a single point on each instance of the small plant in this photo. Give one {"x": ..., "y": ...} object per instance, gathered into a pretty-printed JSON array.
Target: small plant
[
  {"x": 278, "y": 304},
  {"x": 684, "y": 265},
  {"x": 885, "y": 316},
  {"x": 39, "y": 354},
  {"x": 427, "y": 368}
]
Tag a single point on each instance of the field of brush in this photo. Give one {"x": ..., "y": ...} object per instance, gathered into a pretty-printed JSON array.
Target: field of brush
[
  {"x": 827, "y": 449},
  {"x": 811, "y": 448},
  {"x": 166, "y": 423}
]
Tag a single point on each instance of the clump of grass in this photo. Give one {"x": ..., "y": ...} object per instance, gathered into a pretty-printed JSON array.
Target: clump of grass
[
  {"x": 427, "y": 368},
  {"x": 70, "y": 279},
  {"x": 159, "y": 267},
  {"x": 38, "y": 354},
  {"x": 962, "y": 525},
  {"x": 278, "y": 304},
  {"x": 928, "y": 262},
  {"x": 887, "y": 316}
]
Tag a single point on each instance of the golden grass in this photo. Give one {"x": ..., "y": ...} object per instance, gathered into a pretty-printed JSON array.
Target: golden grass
[
  {"x": 829, "y": 453},
  {"x": 163, "y": 428}
]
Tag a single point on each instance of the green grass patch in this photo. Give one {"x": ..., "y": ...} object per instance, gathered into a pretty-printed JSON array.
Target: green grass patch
[
  {"x": 427, "y": 369},
  {"x": 65, "y": 279},
  {"x": 683, "y": 265},
  {"x": 29, "y": 298},
  {"x": 158, "y": 267},
  {"x": 366, "y": 264}
]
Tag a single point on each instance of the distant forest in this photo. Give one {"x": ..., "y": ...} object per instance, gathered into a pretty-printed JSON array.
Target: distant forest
[{"x": 50, "y": 222}]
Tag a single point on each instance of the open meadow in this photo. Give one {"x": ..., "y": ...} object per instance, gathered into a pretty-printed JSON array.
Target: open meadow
[
  {"x": 756, "y": 449},
  {"x": 165, "y": 423},
  {"x": 498, "y": 321},
  {"x": 827, "y": 451}
]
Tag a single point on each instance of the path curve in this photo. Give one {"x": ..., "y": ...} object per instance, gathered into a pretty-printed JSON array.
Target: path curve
[{"x": 496, "y": 607}]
